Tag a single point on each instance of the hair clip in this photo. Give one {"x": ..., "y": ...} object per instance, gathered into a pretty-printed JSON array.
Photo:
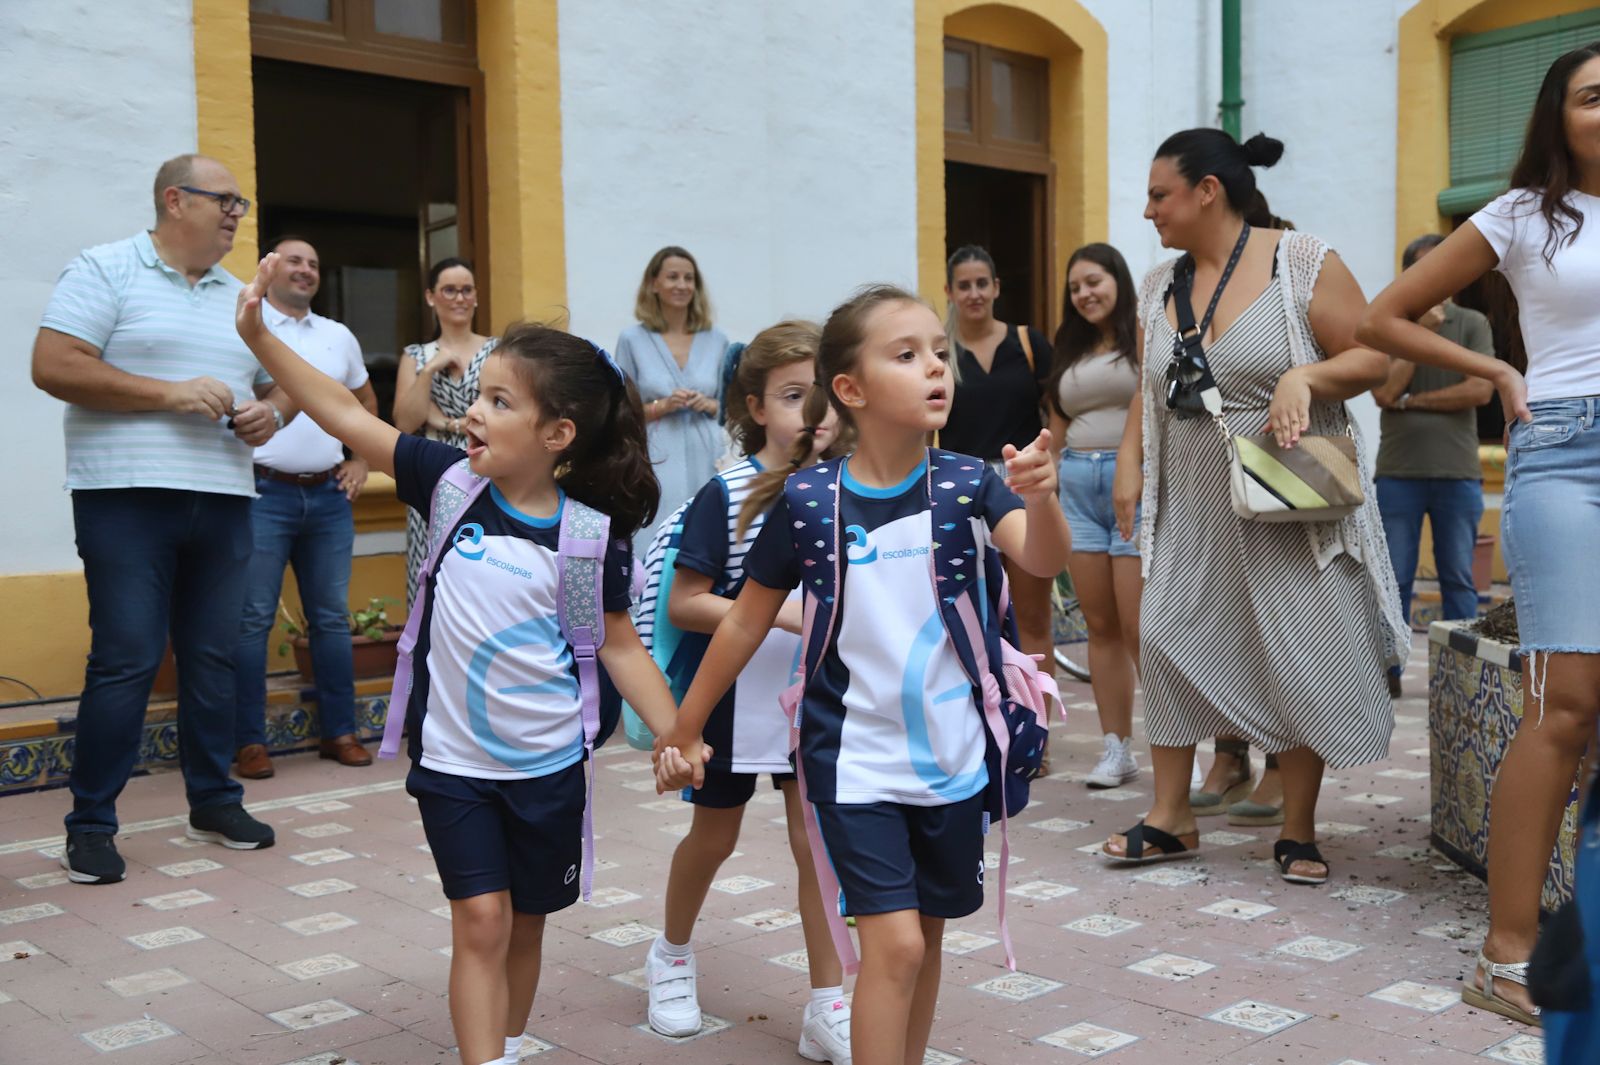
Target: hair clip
[{"x": 605, "y": 357}]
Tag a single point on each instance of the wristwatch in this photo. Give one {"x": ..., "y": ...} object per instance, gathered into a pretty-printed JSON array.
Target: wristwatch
[{"x": 277, "y": 417}]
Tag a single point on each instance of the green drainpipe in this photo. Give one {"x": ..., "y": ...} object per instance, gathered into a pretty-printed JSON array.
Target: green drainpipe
[{"x": 1232, "y": 101}]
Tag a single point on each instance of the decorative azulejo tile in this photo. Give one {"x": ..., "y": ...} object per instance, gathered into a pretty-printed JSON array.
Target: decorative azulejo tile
[
  {"x": 939, "y": 1057},
  {"x": 1338, "y": 828},
  {"x": 1404, "y": 774},
  {"x": 1041, "y": 890},
  {"x": 625, "y": 935},
  {"x": 709, "y": 1025},
  {"x": 314, "y": 1014},
  {"x": 318, "y": 923},
  {"x": 177, "y": 900},
  {"x": 317, "y": 888},
  {"x": 1523, "y": 1049},
  {"x": 1226, "y": 839},
  {"x": 960, "y": 942},
  {"x": 1118, "y": 795},
  {"x": 532, "y": 1046},
  {"x": 165, "y": 937},
  {"x": 18, "y": 950},
  {"x": 1238, "y": 909},
  {"x": 186, "y": 843},
  {"x": 131, "y": 1034},
  {"x": 1101, "y": 924},
  {"x": 38, "y": 911},
  {"x": 54, "y": 878},
  {"x": 1417, "y": 996},
  {"x": 324, "y": 806},
  {"x": 324, "y": 830},
  {"x": 322, "y": 857},
  {"x": 1408, "y": 854},
  {"x": 1172, "y": 876},
  {"x": 1171, "y": 967},
  {"x": 1370, "y": 798},
  {"x": 798, "y": 960},
  {"x": 769, "y": 920},
  {"x": 1257, "y": 1017},
  {"x": 740, "y": 885},
  {"x": 1455, "y": 931},
  {"x": 1059, "y": 824},
  {"x": 633, "y": 978},
  {"x": 991, "y": 859},
  {"x": 190, "y": 868},
  {"x": 1318, "y": 949},
  {"x": 322, "y": 965},
  {"x": 605, "y": 897},
  {"x": 1017, "y": 987},
  {"x": 1090, "y": 1040},
  {"x": 1367, "y": 895},
  {"x": 150, "y": 983}
]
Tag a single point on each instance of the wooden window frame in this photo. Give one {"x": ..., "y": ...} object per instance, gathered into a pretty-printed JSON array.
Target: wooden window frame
[{"x": 981, "y": 147}]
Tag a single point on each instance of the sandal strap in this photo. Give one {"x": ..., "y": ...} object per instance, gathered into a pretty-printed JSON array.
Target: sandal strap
[
  {"x": 1514, "y": 971},
  {"x": 1165, "y": 842},
  {"x": 1287, "y": 851}
]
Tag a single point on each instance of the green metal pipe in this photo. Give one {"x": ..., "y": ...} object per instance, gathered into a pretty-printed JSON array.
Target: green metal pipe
[{"x": 1232, "y": 93}]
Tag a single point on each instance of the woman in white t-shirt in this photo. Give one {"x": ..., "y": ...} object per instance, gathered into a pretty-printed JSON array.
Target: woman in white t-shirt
[{"x": 1544, "y": 236}]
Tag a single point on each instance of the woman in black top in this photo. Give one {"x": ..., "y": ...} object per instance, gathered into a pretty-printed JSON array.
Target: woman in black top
[{"x": 1000, "y": 371}]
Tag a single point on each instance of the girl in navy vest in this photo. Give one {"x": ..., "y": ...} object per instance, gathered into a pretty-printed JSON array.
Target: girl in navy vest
[
  {"x": 494, "y": 716},
  {"x": 747, "y": 730},
  {"x": 891, "y": 744}
]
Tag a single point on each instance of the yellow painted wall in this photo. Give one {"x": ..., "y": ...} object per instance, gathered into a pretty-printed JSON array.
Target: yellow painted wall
[
  {"x": 1075, "y": 44},
  {"x": 1422, "y": 137},
  {"x": 519, "y": 53},
  {"x": 225, "y": 109}
]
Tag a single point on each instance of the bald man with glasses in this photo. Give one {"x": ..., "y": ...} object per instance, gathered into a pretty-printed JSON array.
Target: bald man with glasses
[{"x": 164, "y": 406}]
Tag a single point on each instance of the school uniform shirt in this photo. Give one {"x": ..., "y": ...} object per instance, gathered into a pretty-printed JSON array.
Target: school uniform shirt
[
  {"x": 494, "y": 686},
  {"x": 890, "y": 716},
  {"x": 748, "y": 731}
]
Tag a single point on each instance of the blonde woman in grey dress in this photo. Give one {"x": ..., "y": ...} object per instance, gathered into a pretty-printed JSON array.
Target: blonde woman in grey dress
[
  {"x": 1276, "y": 633},
  {"x": 438, "y": 381}
]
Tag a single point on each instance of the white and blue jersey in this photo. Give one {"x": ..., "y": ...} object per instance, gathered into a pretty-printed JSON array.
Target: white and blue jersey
[
  {"x": 890, "y": 716},
  {"x": 493, "y": 685},
  {"x": 747, "y": 730}
]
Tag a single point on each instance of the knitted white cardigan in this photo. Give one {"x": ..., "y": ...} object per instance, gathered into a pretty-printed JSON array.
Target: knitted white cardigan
[{"x": 1360, "y": 535}]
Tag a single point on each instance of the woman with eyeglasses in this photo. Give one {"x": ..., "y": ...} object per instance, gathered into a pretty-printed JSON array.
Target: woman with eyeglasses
[
  {"x": 438, "y": 381},
  {"x": 675, "y": 356},
  {"x": 1279, "y": 633}
]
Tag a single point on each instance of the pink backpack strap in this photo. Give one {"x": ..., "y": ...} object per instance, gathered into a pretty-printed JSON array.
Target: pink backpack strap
[
  {"x": 793, "y": 700},
  {"x": 452, "y": 495},
  {"x": 580, "y": 607}
]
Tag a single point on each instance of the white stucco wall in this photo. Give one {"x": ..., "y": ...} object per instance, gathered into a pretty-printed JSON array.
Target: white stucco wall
[
  {"x": 776, "y": 142},
  {"x": 94, "y": 97}
]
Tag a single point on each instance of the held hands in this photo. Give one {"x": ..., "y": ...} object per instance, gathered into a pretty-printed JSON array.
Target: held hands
[
  {"x": 247, "y": 313},
  {"x": 352, "y": 477},
  {"x": 1290, "y": 414},
  {"x": 1030, "y": 472},
  {"x": 679, "y": 765},
  {"x": 200, "y": 395},
  {"x": 254, "y": 422}
]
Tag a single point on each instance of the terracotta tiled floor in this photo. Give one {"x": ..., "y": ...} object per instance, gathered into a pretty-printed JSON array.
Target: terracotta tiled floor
[{"x": 331, "y": 946}]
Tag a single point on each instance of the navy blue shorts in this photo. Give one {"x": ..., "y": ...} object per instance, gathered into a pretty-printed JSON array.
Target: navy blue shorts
[
  {"x": 724, "y": 790},
  {"x": 524, "y": 836},
  {"x": 890, "y": 856}
]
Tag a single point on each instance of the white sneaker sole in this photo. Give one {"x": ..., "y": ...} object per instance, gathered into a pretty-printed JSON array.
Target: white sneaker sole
[
  {"x": 217, "y": 837},
  {"x": 812, "y": 1051},
  {"x": 679, "y": 1032},
  {"x": 89, "y": 878},
  {"x": 1109, "y": 781}
]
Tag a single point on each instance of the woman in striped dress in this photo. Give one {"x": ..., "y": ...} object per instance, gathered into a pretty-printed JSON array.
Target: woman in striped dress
[{"x": 1276, "y": 633}]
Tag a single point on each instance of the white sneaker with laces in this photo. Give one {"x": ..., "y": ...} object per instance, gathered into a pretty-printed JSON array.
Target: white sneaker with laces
[
  {"x": 825, "y": 1033},
  {"x": 1117, "y": 765},
  {"x": 674, "y": 996}
]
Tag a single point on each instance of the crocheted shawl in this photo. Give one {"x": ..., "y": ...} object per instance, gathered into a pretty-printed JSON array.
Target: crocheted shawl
[{"x": 1360, "y": 535}]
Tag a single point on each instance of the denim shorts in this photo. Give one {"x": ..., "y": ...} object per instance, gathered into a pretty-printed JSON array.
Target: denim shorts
[
  {"x": 1550, "y": 525},
  {"x": 1085, "y": 490}
]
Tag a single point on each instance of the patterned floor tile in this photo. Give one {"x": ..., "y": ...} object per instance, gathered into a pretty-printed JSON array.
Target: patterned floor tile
[
  {"x": 322, "y": 965},
  {"x": 939, "y": 1057},
  {"x": 1455, "y": 931},
  {"x": 1101, "y": 924},
  {"x": 1404, "y": 774},
  {"x": 1371, "y": 798},
  {"x": 331, "y": 828},
  {"x": 625, "y": 935},
  {"x": 322, "y": 857},
  {"x": 991, "y": 859},
  {"x": 1225, "y": 839},
  {"x": 1524, "y": 1049},
  {"x": 190, "y": 868},
  {"x": 43, "y": 880},
  {"x": 1172, "y": 876},
  {"x": 740, "y": 885},
  {"x": 177, "y": 900},
  {"x": 1118, "y": 795},
  {"x": 1367, "y": 895},
  {"x": 18, "y": 950},
  {"x": 798, "y": 960},
  {"x": 1017, "y": 987},
  {"x": 769, "y": 920},
  {"x": 1238, "y": 909},
  {"x": 165, "y": 937},
  {"x": 1417, "y": 996},
  {"x": 318, "y": 923},
  {"x": 605, "y": 897},
  {"x": 1090, "y": 1040},
  {"x": 186, "y": 843},
  {"x": 1259, "y": 1017},
  {"x": 1171, "y": 967},
  {"x": 327, "y": 806},
  {"x": 1059, "y": 824},
  {"x": 131, "y": 1034},
  {"x": 1338, "y": 828},
  {"x": 957, "y": 941},
  {"x": 1041, "y": 890},
  {"x": 532, "y": 1046},
  {"x": 314, "y": 1014},
  {"x": 1317, "y": 948},
  {"x": 317, "y": 888},
  {"x": 38, "y": 911},
  {"x": 137, "y": 985},
  {"x": 709, "y": 1025},
  {"x": 633, "y": 978}
]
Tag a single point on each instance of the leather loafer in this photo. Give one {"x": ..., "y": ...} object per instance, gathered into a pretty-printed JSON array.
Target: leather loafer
[
  {"x": 253, "y": 762},
  {"x": 346, "y": 750}
]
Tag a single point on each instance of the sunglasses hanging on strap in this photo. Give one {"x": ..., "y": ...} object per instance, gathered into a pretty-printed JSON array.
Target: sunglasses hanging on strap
[{"x": 1317, "y": 480}]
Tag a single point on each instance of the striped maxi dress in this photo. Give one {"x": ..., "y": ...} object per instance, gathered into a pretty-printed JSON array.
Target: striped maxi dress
[{"x": 1243, "y": 633}]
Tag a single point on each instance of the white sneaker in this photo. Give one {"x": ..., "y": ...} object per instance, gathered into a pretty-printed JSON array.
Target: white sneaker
[
  {"x": 674, "y": 997},
  {"x": 825, "y": 1033},
  {"x": 1117, "y": 765}
]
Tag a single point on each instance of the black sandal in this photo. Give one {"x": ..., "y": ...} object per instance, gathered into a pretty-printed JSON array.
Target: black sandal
[
  {"x": 1287, "y": 851},
  {"x": 1167, "y": 847}
]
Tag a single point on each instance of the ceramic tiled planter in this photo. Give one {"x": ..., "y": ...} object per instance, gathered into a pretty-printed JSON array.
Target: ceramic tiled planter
[{"x": 1474, "y": 708}]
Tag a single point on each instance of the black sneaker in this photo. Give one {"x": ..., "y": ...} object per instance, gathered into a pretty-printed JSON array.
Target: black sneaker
[
  {"x": 230, "y": 826},
  {"x": 92, "y": 858}
]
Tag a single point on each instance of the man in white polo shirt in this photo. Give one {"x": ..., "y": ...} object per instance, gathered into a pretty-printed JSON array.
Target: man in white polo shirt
[
  {"x": 302, "y": 517},
  {"x": 164, "y": 404}
]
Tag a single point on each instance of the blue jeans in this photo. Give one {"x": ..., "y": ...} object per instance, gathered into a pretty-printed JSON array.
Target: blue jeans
[
  {"x": 155, "y": 561},
  {"x": 1085, "y": 496},
  {"x": 314, "y": 530},
  {"x": 1453, "y": 509}
]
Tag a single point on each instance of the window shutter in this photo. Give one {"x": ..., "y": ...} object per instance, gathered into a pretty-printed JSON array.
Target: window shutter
[{"x": 1494, "y": 78}]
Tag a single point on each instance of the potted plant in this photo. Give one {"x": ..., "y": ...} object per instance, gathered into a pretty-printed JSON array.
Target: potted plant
[{"x": 373, "y": 640}]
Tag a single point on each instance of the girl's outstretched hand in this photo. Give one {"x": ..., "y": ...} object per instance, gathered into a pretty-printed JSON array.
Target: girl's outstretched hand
[
  {"x": 247, "y": 313},
  {"x": 1031, "y": 472}
]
